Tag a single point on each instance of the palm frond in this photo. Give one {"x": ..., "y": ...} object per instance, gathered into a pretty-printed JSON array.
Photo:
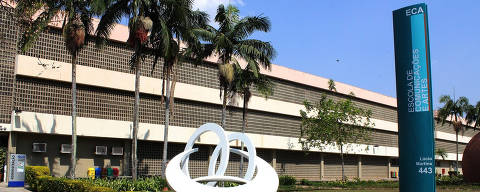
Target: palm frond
[
  {"x": 473, "y": 115},
  {"x": 264, "y": 86},
  {"x": 221, "y": 14},
  {"x": 445, "y": 98},
  {"x": 86, "y": 18},
  {"x": 248, "y": 25},
  {"x": 258, "y": 50},
  {"x": 198, "y": 19},
  {"x": 98, "y": 7},
  {"x": 204, "y": 34},
  {"x": 31, "y": 33},
  {"x": 109, "y": 19}
]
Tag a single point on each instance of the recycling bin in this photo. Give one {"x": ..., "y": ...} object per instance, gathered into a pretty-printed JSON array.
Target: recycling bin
[
  {"x": 98, "y": 172},
  {"x": 109, "y": 172},
  {"x": 91, "y": 173},
  {"x": 115, "y": 172},
  {"x": 104, "y": 172}
]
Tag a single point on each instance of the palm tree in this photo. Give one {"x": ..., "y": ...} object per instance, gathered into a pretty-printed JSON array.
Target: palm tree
[
  {"x": 473, "y": 115},
  {"x": 244, "y": 80},
  {"x": 139, "y": 25},
  {"x": 441, "y": 152},
  {"x": 452, "y": 112},
  {"x": 173, "y": 40},
  {"x": 76, "y": 29},
  {"x": 230, "y": 42}
]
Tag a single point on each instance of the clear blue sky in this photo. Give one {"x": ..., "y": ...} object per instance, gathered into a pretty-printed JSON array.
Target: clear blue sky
[{"x": 309, "y": 35}]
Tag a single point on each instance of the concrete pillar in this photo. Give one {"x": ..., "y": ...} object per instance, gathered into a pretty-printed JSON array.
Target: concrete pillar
[
  {"x": 274, "y": 159},
  {"x": 127, "y": 155},
  {"x": 389, "y": 167},
  {"x": 322, "y": 167},
  {"x": 12, "y": 149},
  {"x": 210, "y": 151},
  {"x": 359, "y": 167}
]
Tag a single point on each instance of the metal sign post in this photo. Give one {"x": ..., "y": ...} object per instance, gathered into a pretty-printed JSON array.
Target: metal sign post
[{"x": 414, "y": 99}]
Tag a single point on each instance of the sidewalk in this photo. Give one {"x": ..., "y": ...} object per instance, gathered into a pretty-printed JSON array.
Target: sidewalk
[{"x": 4, "y": 188}]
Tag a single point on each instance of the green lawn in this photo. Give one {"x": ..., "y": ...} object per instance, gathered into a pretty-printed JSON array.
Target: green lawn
[
  {"x": 375, "y": 189},
  {"x": 390, "y": 190}
]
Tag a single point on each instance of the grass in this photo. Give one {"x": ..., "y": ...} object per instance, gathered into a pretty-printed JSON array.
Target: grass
[
  {"x": 360, "y": 186},
  {"x": 444, "y": 184},
  {"x": 380, "y": 190},
  {"x": 388, "y": 190}
]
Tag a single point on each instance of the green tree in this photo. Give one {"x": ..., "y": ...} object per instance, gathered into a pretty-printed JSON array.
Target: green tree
[
  {"x": 139, "y": 26},
  {"x": 173, "y": 40},
  {"x": 441, "y": 152},
  {"x": 244, "y": 80},
  {"x": 230, "y": 42},
  {"x": 452, "y": 112},
  {"x": 473, "y": 115},
  {"x": 3, "y": 159},
  {"x": 329, "y": 122},
  {"x": 332, "y": 87},
  {"x": 76, "y": 27}
]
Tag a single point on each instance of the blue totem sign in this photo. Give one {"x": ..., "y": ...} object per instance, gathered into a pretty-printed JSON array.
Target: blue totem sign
[{"x": 414, "y": 99}]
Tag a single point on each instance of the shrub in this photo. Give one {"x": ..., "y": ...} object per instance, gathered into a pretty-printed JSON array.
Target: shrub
[
  {"x": 453, "y": 173},
  {"x": 449, "y": 180},
  {"x": 287, "y": 180},
  {"x": 3, "y": 158},
  {"x": 40, "y": 182},
  {"x": 356, "y": 183},
  {"x": 306, "y": 182},
  {"x": 32, "y": 172},
  {"x": 53, "y": 184},
  {"x": 141, "y": 184},
  {"x": 229, "y": 184},
  {"x": 100, "y": 189}
]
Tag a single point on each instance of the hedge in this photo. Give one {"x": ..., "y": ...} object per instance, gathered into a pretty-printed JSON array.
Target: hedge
[
  {"x": 287, "y": 180},
  {"x": 39, "y": 179},
  {"x": 32, "y": 172},
  {"x": 141, "y": 184}
]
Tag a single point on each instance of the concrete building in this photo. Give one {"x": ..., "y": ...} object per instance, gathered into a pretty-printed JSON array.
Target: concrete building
[{"x": 35, "y": 107}]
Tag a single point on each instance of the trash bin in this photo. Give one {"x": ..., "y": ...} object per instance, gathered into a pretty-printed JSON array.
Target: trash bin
[
  {"x": 91, "y": 173},
  {"x": 104, "y": 172},
  {"x": 115, "y": 172},
  {"x": 98, "y": 172},
  {"x": 393, "y": 174},
  {"x": 109, "y": 172}
]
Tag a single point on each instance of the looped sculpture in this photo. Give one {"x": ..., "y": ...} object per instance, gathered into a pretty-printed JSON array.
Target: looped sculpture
[{"x": 178, "y": 176}]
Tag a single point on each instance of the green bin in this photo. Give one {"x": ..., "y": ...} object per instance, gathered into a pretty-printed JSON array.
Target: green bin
[{"x": 109, "y": 172}]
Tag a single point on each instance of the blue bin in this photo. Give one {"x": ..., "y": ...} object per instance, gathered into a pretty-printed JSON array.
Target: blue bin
[{"x": 98, "y": 172}]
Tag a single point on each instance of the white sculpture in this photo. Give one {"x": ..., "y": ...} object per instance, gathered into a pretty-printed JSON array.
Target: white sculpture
[{"x": 179, "y": 179}]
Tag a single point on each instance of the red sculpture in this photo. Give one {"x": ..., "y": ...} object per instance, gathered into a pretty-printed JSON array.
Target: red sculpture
[{"x": 471, "y": 160}]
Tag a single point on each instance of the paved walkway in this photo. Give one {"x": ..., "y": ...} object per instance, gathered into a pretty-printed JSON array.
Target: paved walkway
[{"x": 4, "y": 188}]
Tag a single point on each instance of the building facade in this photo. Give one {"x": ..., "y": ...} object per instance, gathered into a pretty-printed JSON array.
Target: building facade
[{"x": 35, "y": 109}]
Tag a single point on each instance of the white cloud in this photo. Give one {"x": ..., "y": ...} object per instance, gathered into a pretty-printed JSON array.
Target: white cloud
[{"x": 210, "y": 6}]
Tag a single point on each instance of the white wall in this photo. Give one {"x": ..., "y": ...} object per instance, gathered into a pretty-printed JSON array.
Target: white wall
[{"x": 61, "y": 124}]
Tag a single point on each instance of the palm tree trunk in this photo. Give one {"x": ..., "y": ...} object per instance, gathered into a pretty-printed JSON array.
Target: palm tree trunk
[
  {"x": 74, "y": 116},
  {"x": 457, "y": 129},
  {"x": 456, "y": 142},
  {"x": 343, "y": 163},
  {"x": 244, "y": 126},
  {"x": 224, "y": 107},
  {"x": 167, "y": 119},
  {"x": 135, "y": 119}
]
